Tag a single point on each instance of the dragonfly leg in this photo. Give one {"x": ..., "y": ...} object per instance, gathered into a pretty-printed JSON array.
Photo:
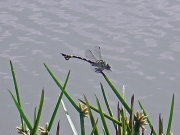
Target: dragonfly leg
[{"x": 98, "y": 70}]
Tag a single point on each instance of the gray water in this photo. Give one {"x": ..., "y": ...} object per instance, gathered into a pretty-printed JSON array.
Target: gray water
[{"x": 139, "y": 39}]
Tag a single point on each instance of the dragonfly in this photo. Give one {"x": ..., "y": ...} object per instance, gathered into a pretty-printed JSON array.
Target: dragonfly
[{"x": 95, "y": 59}]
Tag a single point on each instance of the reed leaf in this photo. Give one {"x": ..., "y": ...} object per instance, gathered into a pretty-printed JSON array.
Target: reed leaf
[
  {"x": 61, "y": 87},
  {"x": 82, "y": 123},
  {"x": 21, "y": 112},
  {"x": 102, "y": 118},
  {"x": 17, "y": 90},
  {"x": 94, "y": 128},
  {"x": 35, "y": 115},
  {"x": 58, "y": 128},
  {"x": 107, "y": 103},
  {"x": 170, "y": 117},
  {"x": 117, "y": 93},
  {"x": 124, "y": 126},
  {"x": 58, "y": 103},
  {"x": 91, "y": 117},
  {"x": 161, "y": 125},
  {"x": 124, "y": 97},
  {"x": 131, "y": 119},
  {"x": 118, "y": 127},
  {"x": 104, "y": 131},
  {"x": 38, "y": 114}
]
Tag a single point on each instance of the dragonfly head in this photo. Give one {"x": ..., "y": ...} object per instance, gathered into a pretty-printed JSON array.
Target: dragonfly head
[{"x": 108, "y": 67}]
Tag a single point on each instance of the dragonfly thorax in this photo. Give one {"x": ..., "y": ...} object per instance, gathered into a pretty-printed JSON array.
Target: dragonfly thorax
[{"x": 101, "y": 65}]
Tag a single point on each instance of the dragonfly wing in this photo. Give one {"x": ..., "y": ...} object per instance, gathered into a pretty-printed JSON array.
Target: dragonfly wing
[
  {"x": 89, "y": 55},
  {"x": 97, "y": 52}
]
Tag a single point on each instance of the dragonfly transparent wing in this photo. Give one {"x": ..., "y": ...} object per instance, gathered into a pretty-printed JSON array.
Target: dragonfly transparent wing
[
  {"x": 97, "y": 52},
  {"x": 89, "y": 55}
]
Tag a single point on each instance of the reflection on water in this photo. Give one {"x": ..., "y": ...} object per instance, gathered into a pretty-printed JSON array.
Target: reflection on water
[{"x": 140, "y": 39}]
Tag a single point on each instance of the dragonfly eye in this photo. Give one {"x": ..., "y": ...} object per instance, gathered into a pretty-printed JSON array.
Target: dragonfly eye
[{"x": 108, "y": 66}]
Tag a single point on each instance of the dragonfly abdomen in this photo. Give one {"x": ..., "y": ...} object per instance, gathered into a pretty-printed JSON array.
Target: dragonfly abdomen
[{"x": 67, "y": 57}]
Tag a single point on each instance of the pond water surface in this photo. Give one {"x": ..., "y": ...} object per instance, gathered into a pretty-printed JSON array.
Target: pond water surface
[{"x": 139, "y": 39}]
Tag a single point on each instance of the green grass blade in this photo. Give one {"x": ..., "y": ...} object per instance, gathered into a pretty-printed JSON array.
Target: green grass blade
[
  {"x": 35, "y": 115},
  {"x": 60, "y": 86},
  {"x": 21, "y": 112},
  {"x": 102, "y": 117},
  {"x": 58, "y": 103},
  {"x": 104, "y": 131},
  {"x": 16, "y": 89},
  {"x": 69, "y": 119},
  {"x": 170, "y": 117},
  {"x": 148, "y": 120},
  {"x": 94, "y": 128},
  {"x": 161, "y": 125},
  {"x": 117, "y": 93},
  {"x": 107, "y": 103},
  {"x": 124, "y": 126},
  {"x": 15, "y": 83},
  {"x": 82, "y": 123},
  {"x": 91, "y": 117},
  {"x": 39, "y": 113},
  {"x": 151, "y": 133},
  {"x": 106, "y": 115}
]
